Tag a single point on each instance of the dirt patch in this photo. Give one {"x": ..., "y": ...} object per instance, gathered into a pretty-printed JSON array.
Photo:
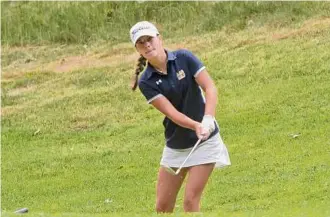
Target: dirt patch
[
  {"x": 70, "y": 63},
  {"x": 314, "y": 26},
  {"x": 308, "y": 26}
]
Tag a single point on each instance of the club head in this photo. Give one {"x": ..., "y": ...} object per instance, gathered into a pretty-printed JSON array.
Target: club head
[{"x": 23, "y": 210}]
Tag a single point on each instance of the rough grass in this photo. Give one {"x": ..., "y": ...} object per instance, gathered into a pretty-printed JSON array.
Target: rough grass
[{"x": 40, "y": 22}]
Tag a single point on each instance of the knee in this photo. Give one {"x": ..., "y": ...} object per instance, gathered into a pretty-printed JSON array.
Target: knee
[
  {"x": 191, "y": 203},
  {"x": 163, "y": 206}
]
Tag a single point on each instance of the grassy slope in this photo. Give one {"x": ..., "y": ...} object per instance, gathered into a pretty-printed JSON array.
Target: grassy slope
[{"x": 81, "y": 142}]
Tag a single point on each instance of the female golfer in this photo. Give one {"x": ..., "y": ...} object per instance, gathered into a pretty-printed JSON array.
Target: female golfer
[{"x": 171, "y": 83}]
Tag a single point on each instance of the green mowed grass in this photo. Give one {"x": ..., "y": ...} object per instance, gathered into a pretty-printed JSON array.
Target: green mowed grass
[{"x": 82, "y": 144}]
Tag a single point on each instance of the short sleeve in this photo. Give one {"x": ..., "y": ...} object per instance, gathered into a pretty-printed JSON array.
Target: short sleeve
[
  {"x": 149, "y": 92},
  {"x": 194, "y": 64}
]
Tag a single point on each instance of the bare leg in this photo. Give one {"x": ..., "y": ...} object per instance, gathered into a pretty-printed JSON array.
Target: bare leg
[
  {"x": 196, "y": 182},
  {"x": 168, "y": 186}
]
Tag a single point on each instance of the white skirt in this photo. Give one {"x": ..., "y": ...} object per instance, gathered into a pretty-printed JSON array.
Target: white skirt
[{"x": 212, "y": 150}]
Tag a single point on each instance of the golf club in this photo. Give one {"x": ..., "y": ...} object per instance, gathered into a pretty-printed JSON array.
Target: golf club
[
  {"x": 22, "y": 210},
  {"x": 173, "y": 172}
]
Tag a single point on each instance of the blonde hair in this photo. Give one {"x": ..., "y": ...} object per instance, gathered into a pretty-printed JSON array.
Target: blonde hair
[{"x": 139, "y": 68}]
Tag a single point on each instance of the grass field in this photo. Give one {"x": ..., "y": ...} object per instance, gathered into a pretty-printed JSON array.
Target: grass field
[{"x": 76, "y": 141}]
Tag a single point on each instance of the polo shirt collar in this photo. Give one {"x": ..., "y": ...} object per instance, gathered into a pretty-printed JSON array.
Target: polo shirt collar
[
  {"x": 149, "y": 70},
  {"x": 170, "y": 55}
]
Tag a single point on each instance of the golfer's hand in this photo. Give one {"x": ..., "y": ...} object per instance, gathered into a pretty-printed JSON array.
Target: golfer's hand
[
  {"x": 208, "y": 126},
  {"x": 208, "y": 123},
  {"x": 201, "y": 132}
]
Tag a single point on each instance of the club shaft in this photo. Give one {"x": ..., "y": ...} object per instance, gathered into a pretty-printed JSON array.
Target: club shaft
[{"x": 192, "y": 150}]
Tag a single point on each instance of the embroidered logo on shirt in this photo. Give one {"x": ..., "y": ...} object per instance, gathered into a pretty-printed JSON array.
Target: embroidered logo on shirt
[
  {"x": 180, "y": 74},
  {"x": 159, "y": 82}
]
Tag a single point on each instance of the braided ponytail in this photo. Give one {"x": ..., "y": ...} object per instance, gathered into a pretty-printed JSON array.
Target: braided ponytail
[{"x": 139, "y": 68}]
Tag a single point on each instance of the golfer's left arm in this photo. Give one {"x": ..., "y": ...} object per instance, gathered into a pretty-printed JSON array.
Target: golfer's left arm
[{"x": 204, "y": 80}]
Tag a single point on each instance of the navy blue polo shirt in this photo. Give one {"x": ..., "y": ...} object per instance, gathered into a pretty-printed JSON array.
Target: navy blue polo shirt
[{"x": 181, "y": 89}]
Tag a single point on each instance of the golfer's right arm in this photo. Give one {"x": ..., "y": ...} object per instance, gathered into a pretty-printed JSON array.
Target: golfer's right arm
[{"x": 165, "y": 107}]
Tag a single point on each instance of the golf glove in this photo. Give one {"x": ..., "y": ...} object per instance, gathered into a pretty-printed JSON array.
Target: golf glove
[{"x": 208, "y": 126}]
